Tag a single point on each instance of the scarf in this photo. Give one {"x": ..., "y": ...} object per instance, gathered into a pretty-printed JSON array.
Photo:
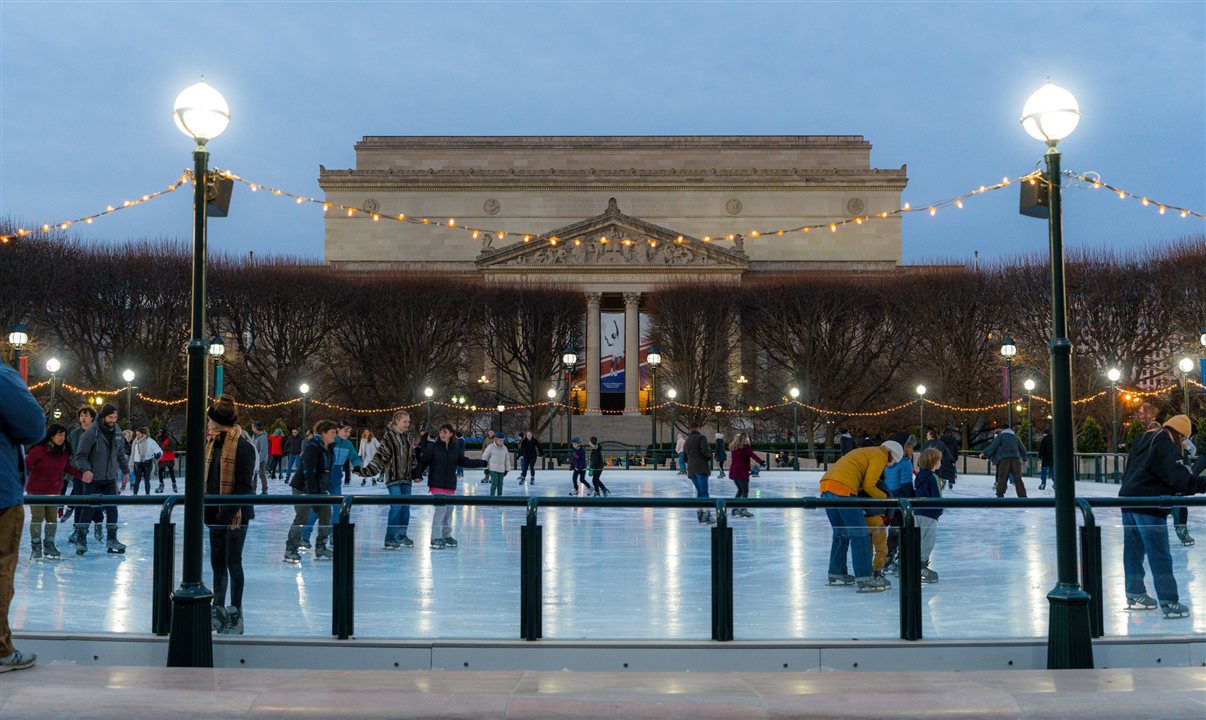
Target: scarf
[{"x": 226, "y": 471}]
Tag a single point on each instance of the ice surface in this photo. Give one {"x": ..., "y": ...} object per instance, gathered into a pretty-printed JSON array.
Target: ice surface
[{"x": 617, "y": 573}]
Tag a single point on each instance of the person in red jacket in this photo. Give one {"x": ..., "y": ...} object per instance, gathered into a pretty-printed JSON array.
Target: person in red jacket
[
  {"x": 740, "y": 455},
  {"x": 167, "y": 461},
  {"x": 276, "y": 451},
  {"x": 47, "y": 462}
]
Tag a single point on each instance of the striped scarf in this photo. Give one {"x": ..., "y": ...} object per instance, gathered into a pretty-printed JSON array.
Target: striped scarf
[{"x": 226, "y": 471}]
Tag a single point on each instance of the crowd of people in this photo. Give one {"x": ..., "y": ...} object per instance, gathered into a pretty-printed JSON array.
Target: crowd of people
[{"x": 96, "y": 458}]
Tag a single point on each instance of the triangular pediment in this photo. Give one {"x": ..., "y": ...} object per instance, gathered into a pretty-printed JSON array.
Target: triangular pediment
[{"x": 611, "y": 239}]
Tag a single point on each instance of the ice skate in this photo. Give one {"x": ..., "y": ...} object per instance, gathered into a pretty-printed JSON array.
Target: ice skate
[
  {"x": 50, "y": 552},
  {"x": 234, "y": 621},
  {"x": 1184, "y": 536},
  {"x": 1173, "y": 610},
  {"x": 81, "y": 541},
  {"x": 437, "y": 544},
  {"x": 880, "y": 576},
  {"x": 304, "y": 546},
  {"x": 97, "y": 532},
  {"x": 872, "y": 585},
  {"x": 406, "y": 542},
  {"x": 450, "y": 542},
  {"x": 1140, "y": 602},
  {"x": 321, "y": 552},
  {"x": 217, "y": 618},
  {"x": 113, "y": 547},
  {"x": 36, "y": 550},
  {"x": 291, "y": 556},
  {"x": 840, "y": 579},
  {"x": 928, "y": 575},
  {"x": 159, "y": 489}
]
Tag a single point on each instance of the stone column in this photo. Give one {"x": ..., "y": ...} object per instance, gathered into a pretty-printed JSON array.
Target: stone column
[
  {"x": 593, "y": 356},
  {"x": 632, "y": 352}
]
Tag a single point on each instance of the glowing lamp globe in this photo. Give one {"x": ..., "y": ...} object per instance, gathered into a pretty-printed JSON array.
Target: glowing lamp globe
[
  {"x": 552, "y": 393},
  {"x": 1114, "y": 375},
  {"x": 1050, "y": 114},
  {"x": 921, "y": 390},
  {"x": 201, "y": 112},
  {"x": 428, "y": 392},
  {"x": 1186, "y": 365},
  {"x": 1029, "y": 385},
  {"x": 304, "y": 388},
  {"x": 128, "y": 376},
  {"x": 53, "y": 365},
  {"x": 671, "y": 393},
  {"x": 794, "y": 392},
  {"x": 216, "y": 347},
  {"x": 1008, "y": 349},
  {"x": 18, "y": 337}
]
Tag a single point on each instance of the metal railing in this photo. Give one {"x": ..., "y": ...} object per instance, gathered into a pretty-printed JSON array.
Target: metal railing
[{"x": 532, "y": 555}]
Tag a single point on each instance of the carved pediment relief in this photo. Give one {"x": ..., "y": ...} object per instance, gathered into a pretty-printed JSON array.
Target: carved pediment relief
[{"x": 609, "y": 240}]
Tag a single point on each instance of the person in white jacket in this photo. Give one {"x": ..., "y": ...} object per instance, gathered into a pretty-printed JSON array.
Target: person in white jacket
[
  {"x": 680, "y": 451},
  {"x": 368, "y": 448},
  {"x": 498, "y": 462},
  {"x": 144, "y": 454}
]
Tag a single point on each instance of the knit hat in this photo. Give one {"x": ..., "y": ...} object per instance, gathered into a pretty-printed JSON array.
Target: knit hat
[
  {"x": 894, "y": 449},
  {"x": 1181, "y": 424},
  {"x": 720, "y": 436},
  {"x": 223, "y": 412},
  {"x": 577, "y": 440},
  {"x": 111, "y": 409}
]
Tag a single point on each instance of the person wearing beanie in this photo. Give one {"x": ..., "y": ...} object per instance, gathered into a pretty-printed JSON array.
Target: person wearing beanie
[
  {"x": 1006, "y": 452},
  {"x": 898, "y": 481},
  {"x": 578, "y": 466},
  {"x": 230, "y": 466},
  {"x": 47, "y": 462},
  {"x": 720, "y": 454},
  {"x": 856, "y": 472},
  {"x": 1154, "y": 468},
  {"x": 498, "y": 462},
  {"x": 103, "y": 458}
]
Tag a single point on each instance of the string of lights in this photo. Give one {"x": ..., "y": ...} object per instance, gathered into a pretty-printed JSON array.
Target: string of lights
[
  {"x": 87, "y": 219},
  {"x": 1094, "y": 181}
]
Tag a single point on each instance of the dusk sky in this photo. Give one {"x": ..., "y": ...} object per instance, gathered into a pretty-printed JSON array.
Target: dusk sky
[{"x": 86, "y": 92}]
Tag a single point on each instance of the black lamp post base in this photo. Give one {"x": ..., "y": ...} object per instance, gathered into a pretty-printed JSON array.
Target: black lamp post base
[
  {"x": 191, "y": 643},
  {"x": 1069, "y": 633}
]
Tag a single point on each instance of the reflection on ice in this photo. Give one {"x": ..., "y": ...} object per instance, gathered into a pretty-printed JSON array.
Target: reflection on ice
[{"x": 617, "y": 573}]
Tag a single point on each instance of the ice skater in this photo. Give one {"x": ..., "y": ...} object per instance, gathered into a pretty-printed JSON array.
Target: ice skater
[
  {"x": 857, "y": 471},
  {"x": 1006, "y": 452},
  {"x": 743, "y": 460},
  {"x": 397, "y": 463},
  {"x": 442, "y": 457},
  {"x": 103, "y": 458},
  {"x": 313, "y": 478},
  {"x": 927, "y": 485},
  {"x": 699, "y": 455},
  {"x": 596, "y": 467},
  {"x": 529, "y": 450},
  {"x": 498, "y": 462},
  {"x": 231, "y": 462},
  {"x": 578, "y": 466},
  {"x": 47, "y": 462},
  {"x": 719, "y": 455}
]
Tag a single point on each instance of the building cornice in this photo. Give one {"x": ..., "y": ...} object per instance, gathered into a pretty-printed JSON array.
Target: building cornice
[{"x": 612, "y": 142}]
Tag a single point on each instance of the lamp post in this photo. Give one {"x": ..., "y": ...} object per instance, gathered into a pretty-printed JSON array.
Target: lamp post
[
  {"x": 795, "y": 428},
  {"x": 52, "y": 366},
  {"x": 1114, "y": 375},
  {"x": 216, "y": 350},
  {"x": 18, "y": 338},
  {"x": 428, "y": 393},
  {"x": 1050, "y": 115},
  {"x": 304, "y": 388},
  {"x": 1008, "y": 350},
  {"x": 672, "y": 393},
  {"x": 921, "y": 412},
  {"x": 1186, "y": 365},
  {"x": 548, "y": 459},
  {"x": 500, "y": 408},
  {"x": 128, "y": 376},
  {"x": 654, "y": 359},
  {"x": 1029, "y": 385},
  {"x": 202, "y": 114},
  {"x": 569, "y": 359},
  {"x": 716, "y": 409}
]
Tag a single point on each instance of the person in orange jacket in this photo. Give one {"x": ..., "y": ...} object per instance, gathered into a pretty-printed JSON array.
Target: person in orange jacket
[{"x": 858, "y": 471}]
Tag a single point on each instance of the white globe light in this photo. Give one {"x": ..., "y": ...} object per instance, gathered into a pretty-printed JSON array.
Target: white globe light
[
  {"x": 305, "y": 388},
  {"x": 1186, "y": 365},
  {"x": 794, "y": 392},
  {"x": 53, "y": 365},
  {"x": 201, "y": 112},
  {"x": 428, "y": 392},
  {"x": 501, "y": 408},
  {"x": 128, "y": 375},
  {"x": 671, "y": 393},
  {"x": 921, "y": 389},
  {"x": 1029, "y": 385},
  {"x": 1050, "y": 114},
  {"x": 552, "y": 393},
  {"x": 1114, "y": 375}
]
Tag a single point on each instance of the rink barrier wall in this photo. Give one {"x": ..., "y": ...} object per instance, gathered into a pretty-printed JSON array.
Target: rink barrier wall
[{"x": 532, "y": 554}]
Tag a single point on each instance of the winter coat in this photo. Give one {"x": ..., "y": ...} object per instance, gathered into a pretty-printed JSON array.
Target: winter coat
[
  {"x": 680, "y": 444},
  {"x": 529, "y": 448},
  {"x": 947, "y": 470},
  {"x": 244, "y": 482},
  {"x": 441, "y": 460},
  {"x": 739, "y": 468},
  {"x": 898, "y": 479},
  {"x": 926, "y": 486},
  {"x": 46, "y": 469},
  {"x": 262, "y": 447},
  {"x": 344, "y": 452},
  {"x": 276, "y": 444},
  {"x": 368, "y": 448},
  {"x": 719, "y": 451},
  {"x": 395, "y": 458},
  {"x": 21, "y": 423},
  {"x": 1154, "y": 468},
  {"x": 596, "y": 457},
  {"x": 1005, "y": 446},
  {"x": 167, "y": 446},
  {"x": 845, "y": 443},
  {"x": 293, "y": 444},
  {"x": 497, "y": 458},
  {"x": 144, "y": 451},
  {"x": 313, "y": 475},
  {"x": 1047, "y": 451},
  {"x": 857, "y": 471},
  {"x": 578, "y": 458},
  {"x": 103, "y": 452},
  {"x": 699, "y": 454}
]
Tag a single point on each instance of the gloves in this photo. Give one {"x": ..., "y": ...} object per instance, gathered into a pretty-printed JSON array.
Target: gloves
[{"x": 1199, "y": 465}]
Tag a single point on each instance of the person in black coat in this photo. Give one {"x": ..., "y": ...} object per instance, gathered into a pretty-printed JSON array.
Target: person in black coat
[
  {"x": 529, "y": 449},
  {"x": 1046, "y": 460},
  {"x": 228, "y": 471},
  {"x": 313, "y": 477},
  {"x": 946, "y": 472},
  {"x": 442, "y": 457}
]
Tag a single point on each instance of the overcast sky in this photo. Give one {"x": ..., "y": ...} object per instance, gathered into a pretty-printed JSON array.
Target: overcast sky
[{"x": 86, "y": 91}]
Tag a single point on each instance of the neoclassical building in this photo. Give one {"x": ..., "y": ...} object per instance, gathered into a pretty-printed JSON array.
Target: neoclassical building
[{"x": 615, "y": 216}]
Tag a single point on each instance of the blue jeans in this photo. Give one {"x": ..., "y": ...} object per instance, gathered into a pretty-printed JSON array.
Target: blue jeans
[
  {"x": 682, "y": 463},
  {"x": 399, "y": 515},
  {"x": 525, "y": 467},
  {"x": 1043, "y": 472},
  {"x": 293, "y": 461},
  {"x": 849, "y": 532},
  {"x": 1147, "y": 535},
  {"x": 701, "y": 484},
  {"x": 335, "y": 489}
]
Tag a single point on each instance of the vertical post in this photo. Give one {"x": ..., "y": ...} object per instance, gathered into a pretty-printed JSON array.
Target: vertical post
[
  {"x": 1090, "y": 563},
  {"x": 653, "y": 404},
  {"x": 53, "y": 394},
  {"x": 191, "y": 642},
  {"x": 303, "y": 425},
  {"x": 343, "y": 575},
  {"x": 795, "y": 435},
  {"x": 722, "y": 576},
  {"x": 569, "y": 411},
  {"x": 910, "y": 574},
  {"x": 921, "y": 420},
  {"x": 1069, "y": 634},
  {"x": 218, "y": 379},
  {"x": 1009, "y": 387},
  {"x": 531, "y": 570},
  {"x": 1114, "y": 444},
  {"x": 164, "y": 564}
]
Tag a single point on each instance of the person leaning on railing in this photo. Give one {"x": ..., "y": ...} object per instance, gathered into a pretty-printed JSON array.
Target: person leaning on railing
[{"x": 1154, "y": 468}]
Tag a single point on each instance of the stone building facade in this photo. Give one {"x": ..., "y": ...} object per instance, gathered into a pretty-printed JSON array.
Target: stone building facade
[{"x": 615, "y": 216}]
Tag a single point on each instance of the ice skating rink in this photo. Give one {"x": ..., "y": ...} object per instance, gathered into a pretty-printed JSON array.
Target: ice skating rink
[{"x": 617, "y": 573}]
